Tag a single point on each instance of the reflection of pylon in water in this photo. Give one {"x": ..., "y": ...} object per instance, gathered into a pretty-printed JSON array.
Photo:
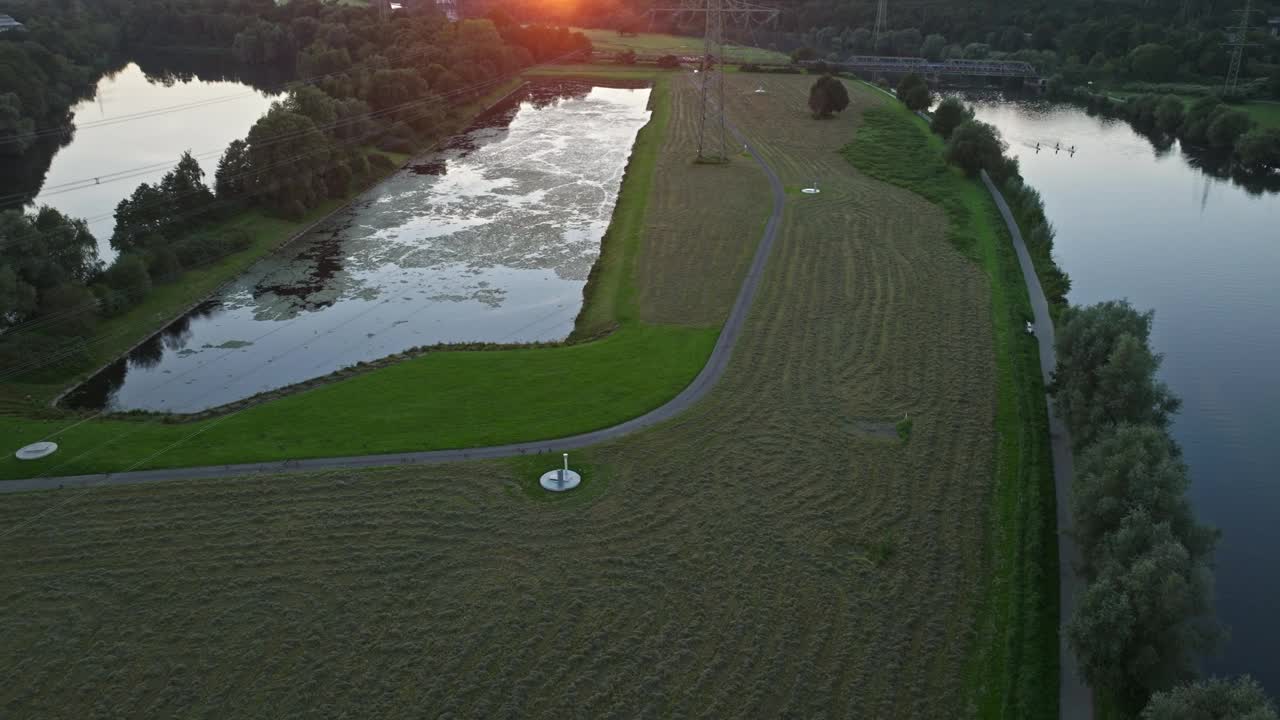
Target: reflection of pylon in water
[
  {"x": 712, "y": 136},
  {"x": 882, "y": 12}
]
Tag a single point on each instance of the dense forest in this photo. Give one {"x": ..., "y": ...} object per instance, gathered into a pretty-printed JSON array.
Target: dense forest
[
  {"x": 1083, "y": 40},
  {"x": 367, "y": 82}
]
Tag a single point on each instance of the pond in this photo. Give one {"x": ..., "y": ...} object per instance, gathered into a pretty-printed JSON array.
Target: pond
[
  {"x": 488, "y": 240},
  {"x": 134, "y": 130},
  {"x": 1145, "y": 223}
]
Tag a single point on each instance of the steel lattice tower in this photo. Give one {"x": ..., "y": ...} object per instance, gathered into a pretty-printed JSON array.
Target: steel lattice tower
[
  {"x": 1239, "y": 41},
  {"x": 712, "y": 135}
]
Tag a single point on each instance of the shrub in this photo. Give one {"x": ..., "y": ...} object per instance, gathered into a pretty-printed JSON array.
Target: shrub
[
  {"x": 950, "y": 114},
  {"x": 1259, "y": 150},
  {"x": 671, "y": 61},
  {"x": 1227, "y": 127},
  {"x": 1216, "y": 699},
  {"x": 975, "y": 146},
  {"x": 828, "y": 95}
]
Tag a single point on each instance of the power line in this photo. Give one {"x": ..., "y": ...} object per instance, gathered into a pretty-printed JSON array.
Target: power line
[{"x": 712, "y": 137}]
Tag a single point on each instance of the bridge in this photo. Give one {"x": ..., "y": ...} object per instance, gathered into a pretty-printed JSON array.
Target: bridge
[{"x": 938, "y": 68}]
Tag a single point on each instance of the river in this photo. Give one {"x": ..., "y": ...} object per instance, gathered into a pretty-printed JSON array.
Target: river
[
  {"x": 133, "y": 130},
  {"x": 1147, "y": 224},
  {"x": 490, "y": 239}
]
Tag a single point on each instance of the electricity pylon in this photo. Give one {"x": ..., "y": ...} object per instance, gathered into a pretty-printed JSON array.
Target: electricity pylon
[
  {"x": 712, "y": 138},
  {"x": 1238, "y": 42}
]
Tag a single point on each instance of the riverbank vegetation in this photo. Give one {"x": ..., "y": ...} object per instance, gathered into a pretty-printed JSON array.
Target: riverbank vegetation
[
  {"x": 1146, "y": 615},
  {"x": 1224, "y": 132},
  {"x": 1014, "y": 669}
]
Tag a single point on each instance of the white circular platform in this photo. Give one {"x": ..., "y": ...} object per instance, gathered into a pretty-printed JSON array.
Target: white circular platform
[
  {"x": 35, "y": 451},
  {"x": 810, "y": 191},
  {"x": 552, "y": 480}
]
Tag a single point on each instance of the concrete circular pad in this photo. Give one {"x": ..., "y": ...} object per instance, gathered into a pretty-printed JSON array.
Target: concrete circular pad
[
  {"x": 35, "y": 451},
  {"x": 553, "y": 480}
]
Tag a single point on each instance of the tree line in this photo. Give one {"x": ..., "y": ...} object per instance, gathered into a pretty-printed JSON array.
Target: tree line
[
  {"x": 1146, "y": 616},
  {"x": 1208, "y": 123}
]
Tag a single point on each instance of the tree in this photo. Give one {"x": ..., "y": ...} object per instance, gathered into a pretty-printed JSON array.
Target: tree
[
  {"x": 918, "y": 98},
  {"x": 128, "y": 277},
  {"x": 975, "y": 146},
  {"x": 17, "y": 298},
  {"x": 1106, "y": 373},
  {"x": 1153, "y": 62},
  {"x": 184, "y": 189},
  {"x": 828, "y": 95},
  {"x": 15, "y": 127},
  {"x": 1226, "y": 127},
  {"x": 949, "y": 115},
  {"x": 907, "y": 42},
  {"x": 1136, "y": 467},
  {"x": 803, "y": 54},
  {"x": 1146, "y": 618},
  {"x": 1259, "y": 150},
  {"x": 1195, "y": 125},
  {"x": 229, "y": 179},
  {"x": 1214, "y": 699},
  {"x": 908, "y": 81},
  {"x": 1169, "y": 114},
  {"x": 860, "y": 41},
  {"x": 933, "y": 46},
  {"x": 287, "y": 158}
]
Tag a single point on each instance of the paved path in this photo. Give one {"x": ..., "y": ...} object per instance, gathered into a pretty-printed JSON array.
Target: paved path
[
  {"x": 1075, "y": 702},
  {"x": 701, "y": 385}
]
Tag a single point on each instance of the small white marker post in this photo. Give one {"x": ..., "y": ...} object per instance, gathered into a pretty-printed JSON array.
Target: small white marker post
[{"x": 560, "y": 479}]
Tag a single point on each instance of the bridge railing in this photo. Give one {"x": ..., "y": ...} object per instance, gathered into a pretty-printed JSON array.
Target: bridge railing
[{"x": 922, "y": 66}]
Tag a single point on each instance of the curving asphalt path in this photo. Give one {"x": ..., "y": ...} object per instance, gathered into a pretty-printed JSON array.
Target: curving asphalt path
[
  {"x": 1075, "y": 702},
  {"x": 695, "y": 391}
]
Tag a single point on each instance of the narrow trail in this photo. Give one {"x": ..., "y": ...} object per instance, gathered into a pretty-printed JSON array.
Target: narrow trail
[
  {"x": 706, "y": 379},
  {"x": 1075, "y": 702}
]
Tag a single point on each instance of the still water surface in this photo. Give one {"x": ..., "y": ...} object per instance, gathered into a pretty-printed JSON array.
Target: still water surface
[
  {"x": 490, "y": 239},
  {"x": 1138, "y": 223},
  {"x": 133, "y": 131}
]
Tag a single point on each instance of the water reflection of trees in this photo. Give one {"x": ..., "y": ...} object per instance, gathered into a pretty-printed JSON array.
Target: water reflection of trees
[
  {"x": 1220, "y": 165},
  {"x": 98, "y": 391},
  {"x": 1215, "y": 163}
]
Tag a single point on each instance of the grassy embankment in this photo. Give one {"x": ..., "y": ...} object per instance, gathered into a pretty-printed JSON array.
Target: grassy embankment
[
  {"x": 649, "y": 44},
  {"x": 438, "y": 400},
  {"x": 1014, "y": 673}
]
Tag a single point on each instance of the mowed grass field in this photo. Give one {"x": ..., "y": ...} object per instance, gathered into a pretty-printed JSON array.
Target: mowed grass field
[
  {"x": 631, "y": 360},
  {"x": 663, "y": 44},
  {"x": 778, "y": 551}
]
